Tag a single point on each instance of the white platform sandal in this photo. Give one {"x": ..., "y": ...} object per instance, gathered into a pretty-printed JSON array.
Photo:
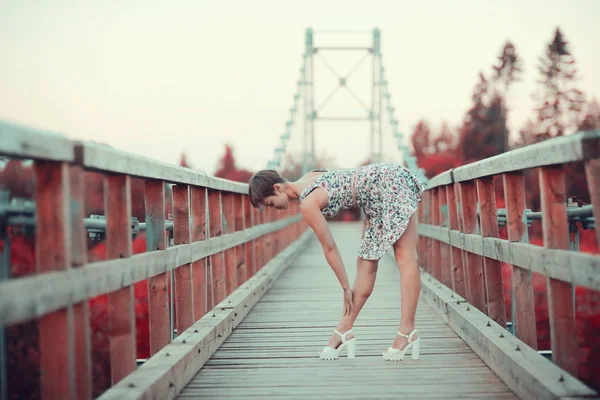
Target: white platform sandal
[
  {"x": 329, "y": 353},
  {"x": 393, "y": 354}
]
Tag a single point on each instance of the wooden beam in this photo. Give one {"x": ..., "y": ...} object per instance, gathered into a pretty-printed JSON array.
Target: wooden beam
[
  {"x": 240, "y": 249},
  {"x": 166, "y": 374},
  {"x": 22, "y": 142},
  {"x": 436, "y": 261},
  {"x": 492, "y": 268},
  {"x": 96, "y": 157},
  {"x": 158, "y": 299},
  {"x": 81, "y": 310},
  {"x": 565, "y": 149},
  {"x": 53, "y": 253},
  {"x": 442, "y": 179},
  {"x": 121, "y": 311},
  {"x": 522, "y": 283},
  {"x": 445, "y": 252},
  {"x": 592, "y": 173},
  {"x": 184, "y": 305},
  {"x": 555, "y": 227},
  {"x": 529, "y": 374},
  {"x": 217, "y": 262},
  {"x": 582, "y": 269},
  {"x": 229, "y": 254},
  {"x": 456, "y": 259},
  {"x": 33, "y": 296},
  {"x": 198, "y": 226},
  {"x": 249, "y": 246},
  {"x": 474, "y": 266}
]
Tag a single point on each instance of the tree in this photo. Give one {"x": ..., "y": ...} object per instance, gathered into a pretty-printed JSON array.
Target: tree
[
  {"x": 421, "y": 139},
  {"x": 506, "y": 72},
  {"x": 509, "y": 68},
  {"x": 591, "y": 120},
  {"x": 445, "y": 141},
  {"x": 483, "y": 131},
  {"x": 183, "y": 161},
  {"x": 561, "y": 102},
  {"x": 228, "y": 170}
]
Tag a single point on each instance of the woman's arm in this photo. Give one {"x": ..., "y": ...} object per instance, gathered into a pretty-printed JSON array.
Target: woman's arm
[{"x": 315, "y": 219}]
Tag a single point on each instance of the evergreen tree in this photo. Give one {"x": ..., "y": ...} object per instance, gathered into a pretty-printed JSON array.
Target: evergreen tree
[
  {"x": 561, "y": 102},
  {"x": 591, "y": 119},
  {"x": 507, "y": 72},
  {"x": 421, "y": 138}
]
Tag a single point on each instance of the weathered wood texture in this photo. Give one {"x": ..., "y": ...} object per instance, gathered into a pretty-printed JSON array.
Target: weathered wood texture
[
  {"x": 528, "y": 373},
  {"x": 121, "y": 311},
  {"x": 53, "y": 234},
  {"x": 522, "y": 283},
  {"x": 165, "y": 374},
  {"x": 34, "y": 296},
  {"x": 556, "y": 236},
  {"x": 273, "y": 352},
  {"x": 158, "y": 300},
  {"x": 81, "y": 311},
  {"x": 476, "y": 235},
  {"x": 218, "y": 227}
]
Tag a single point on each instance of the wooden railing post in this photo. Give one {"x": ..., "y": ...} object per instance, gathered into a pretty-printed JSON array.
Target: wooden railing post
[
  {"x": 556, "y": 236},
  {"x": 53, "y": 253},
  {"x": 229, "y": 254},
  {"x": 259, "y": 247},
  {"x": 445, "y": 260},
  {"x": 435, "y": 259},
  {"x": 158, "y": 292},
  {"x": 523, "y": 308},
  {"x": 474, "y": 266},
  {"x": 456, "y": 258},
  {"x": 250, "y": 246},
  {"x": 217, "y": 261},
  {"x": 592, "y": 172},
  {"x": 239, "y": 250},
  {"x": 184, "y": 313},
  {"x": 81, "y": 311},
  {"x": 198, "y": 199},
  {"x": 494, "y": 289},
  {"x": 120, "y": 303},
  {"x": 426, "y": 255}
]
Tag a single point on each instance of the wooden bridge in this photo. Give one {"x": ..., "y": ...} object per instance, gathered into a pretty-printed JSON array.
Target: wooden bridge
[{"x": 241, "y": 300}]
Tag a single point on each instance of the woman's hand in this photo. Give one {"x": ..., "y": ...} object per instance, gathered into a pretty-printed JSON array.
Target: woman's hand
[{"x": 347, "y": 301}]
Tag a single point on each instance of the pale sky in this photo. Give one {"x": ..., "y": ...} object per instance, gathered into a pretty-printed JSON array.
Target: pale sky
[{"x": 158, "y": 78}]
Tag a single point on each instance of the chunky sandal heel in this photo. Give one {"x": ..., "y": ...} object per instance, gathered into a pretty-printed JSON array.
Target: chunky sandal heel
[
  {"x": 329, "y": 353},
  {"x": 393, "y": 354}
]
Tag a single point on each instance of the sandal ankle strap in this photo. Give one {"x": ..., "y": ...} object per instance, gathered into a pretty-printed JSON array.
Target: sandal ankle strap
[
  {"x": 343, "y": 336},
  {"x": 409, "y": 336}
]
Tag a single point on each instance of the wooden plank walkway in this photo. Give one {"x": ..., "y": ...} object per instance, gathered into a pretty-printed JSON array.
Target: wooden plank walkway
[{"x": 274, "y": 351}]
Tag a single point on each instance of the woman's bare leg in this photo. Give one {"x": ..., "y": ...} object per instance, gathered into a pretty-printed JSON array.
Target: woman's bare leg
[
  {"x": 366, "y": 271},
  {"x": 405, "y": 251}
]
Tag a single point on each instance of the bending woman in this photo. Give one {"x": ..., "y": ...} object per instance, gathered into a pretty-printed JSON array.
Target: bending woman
[{"x": 389, "y": 195}]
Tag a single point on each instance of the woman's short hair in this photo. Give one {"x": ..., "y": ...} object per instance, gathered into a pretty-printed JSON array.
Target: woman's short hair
[{"x": 261, "y": 184}]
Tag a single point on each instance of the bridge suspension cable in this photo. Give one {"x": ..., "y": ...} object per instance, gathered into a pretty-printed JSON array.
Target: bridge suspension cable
[{"x": 380, "y": 94}]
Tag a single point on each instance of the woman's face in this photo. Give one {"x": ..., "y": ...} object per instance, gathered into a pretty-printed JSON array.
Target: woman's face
[{"x": 278, "y": 201}]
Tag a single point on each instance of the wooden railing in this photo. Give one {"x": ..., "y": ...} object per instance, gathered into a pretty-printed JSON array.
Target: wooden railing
[
  {"x": 460, "y": 245},
  {"x": 220, "y": 242}
]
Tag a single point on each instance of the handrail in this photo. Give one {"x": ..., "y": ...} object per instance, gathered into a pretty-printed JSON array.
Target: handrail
[
  {"x": 219, "y": 242},
  {"x": 460, "y": 244}
]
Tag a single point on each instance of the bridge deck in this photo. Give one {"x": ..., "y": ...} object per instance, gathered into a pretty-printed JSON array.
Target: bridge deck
[{"x": 274, "y": 351}]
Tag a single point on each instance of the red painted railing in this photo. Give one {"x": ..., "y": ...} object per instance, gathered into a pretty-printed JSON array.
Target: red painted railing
[
  {"x": 219, "y": 242},
  {"x": 462, "y": 246}
]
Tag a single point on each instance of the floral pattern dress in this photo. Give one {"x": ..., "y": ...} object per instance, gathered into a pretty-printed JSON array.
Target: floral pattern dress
[{"x": 389, "y": 194}]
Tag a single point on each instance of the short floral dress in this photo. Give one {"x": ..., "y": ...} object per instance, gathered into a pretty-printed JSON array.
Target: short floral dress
[{"x": 389, "y": 194}]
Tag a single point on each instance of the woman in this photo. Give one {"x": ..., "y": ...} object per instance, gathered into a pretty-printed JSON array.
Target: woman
[{"x": 389, "y": 195}]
